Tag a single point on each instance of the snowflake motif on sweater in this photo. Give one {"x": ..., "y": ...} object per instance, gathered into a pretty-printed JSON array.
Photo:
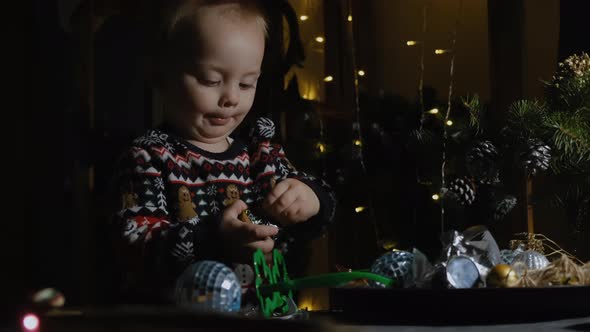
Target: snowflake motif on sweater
[{"x": 158, "y": 176}]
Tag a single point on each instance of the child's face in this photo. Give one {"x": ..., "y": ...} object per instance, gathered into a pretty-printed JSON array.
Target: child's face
[{"x": 212, "y": 93}]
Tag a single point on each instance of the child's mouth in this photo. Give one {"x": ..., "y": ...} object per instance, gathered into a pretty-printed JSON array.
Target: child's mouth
[{"x": 218, "y": 121}]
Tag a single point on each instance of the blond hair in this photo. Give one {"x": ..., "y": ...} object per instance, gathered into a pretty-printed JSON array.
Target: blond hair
[{"x": 175, "y": 21}]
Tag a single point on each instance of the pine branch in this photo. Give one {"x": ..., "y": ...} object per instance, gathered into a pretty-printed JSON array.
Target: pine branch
[
  {"x": 422, "y": 136},
  {"x": 564, "y": 97},
  {"x": 476, "y": 112},
  {"x": 569, "y": 191},
  {"x": 526, "y": 119},
  {"x": 562, "y": 164},
  {"x": 571, "y": 135}
]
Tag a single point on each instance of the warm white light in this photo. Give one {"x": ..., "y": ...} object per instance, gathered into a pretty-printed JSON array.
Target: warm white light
[
  {"x": 449, "y": 123},
  {"x": 321, "y": 147},
  {"x": 358, "y": 142},
  {"x": 319, "y": 39},
  {"x": 328, "y": 79},
  {"x": 30, "y": 322},
  {"x": 359, "y": 209},
  {"x": 411, "y": 42},
  {"x": 433, "y": 111},
  {"x": 303, "y": 17},
  {"x": 435, "y": 197},
  {"x": 361, "y": 72},
  {"x": 441, "y": 51},
  {"x": 349, "y": 18},
  {"x": 305, "y": 305}
]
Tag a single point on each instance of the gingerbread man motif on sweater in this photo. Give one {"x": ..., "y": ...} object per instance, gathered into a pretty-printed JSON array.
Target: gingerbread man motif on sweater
[{"x": 181, "y": 191}]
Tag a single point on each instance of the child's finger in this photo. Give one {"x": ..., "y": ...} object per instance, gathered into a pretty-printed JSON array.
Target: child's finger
[
  {"x": 283, "y": 203},
  {"x": 292, "y": 214},
  {"x": 258, "y": 232},
  {"x": 234, "y": 210},
  {"x": 266, "y": 245},
  {"x": 276, "y": 192}
]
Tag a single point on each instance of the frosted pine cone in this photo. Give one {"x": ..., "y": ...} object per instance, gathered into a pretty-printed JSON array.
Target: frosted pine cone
[
  {"x": 536, "y": 157},
  {"x": 461, "y": 190},
  {"x": 482, "y": 162}
]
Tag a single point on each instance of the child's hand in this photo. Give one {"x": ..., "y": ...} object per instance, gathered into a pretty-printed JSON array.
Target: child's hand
[
  {"x": 291, "y": 201},
  {"x": 241, "y": 239}
]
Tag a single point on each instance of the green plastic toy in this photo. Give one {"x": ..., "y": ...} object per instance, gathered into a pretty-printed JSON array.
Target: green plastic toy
[{"x": 274, "y": 287}]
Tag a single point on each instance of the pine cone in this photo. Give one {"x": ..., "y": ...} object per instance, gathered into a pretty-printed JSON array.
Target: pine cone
[
  {"x": 536, "y": 156},
  {"x": 482, "y": 162},
  {"x": 461, "y": 190},
  {"x": 504, "y": 206}
]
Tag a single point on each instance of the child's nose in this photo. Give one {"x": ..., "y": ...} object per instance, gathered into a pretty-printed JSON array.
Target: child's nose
[{"x": 230, "y": 97}]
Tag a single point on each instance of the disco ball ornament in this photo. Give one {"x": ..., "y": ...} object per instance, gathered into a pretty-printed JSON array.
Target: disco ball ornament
[
  {"x": 208, "y": 286},
  {"x": 533, "y": 260},
  {"x": 395, "y": 265}
]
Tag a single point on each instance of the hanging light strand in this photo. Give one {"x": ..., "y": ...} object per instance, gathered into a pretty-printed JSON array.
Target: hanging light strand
[
  {"x": 421, "y": 71},
  {"x": 448, "y": 113},
  {"x": 357, "y": 118},
  {"x": 420, "y": 97}
]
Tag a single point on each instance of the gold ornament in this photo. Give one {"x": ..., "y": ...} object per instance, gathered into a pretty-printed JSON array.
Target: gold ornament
[
  {"x": 503, "y": 276},
  {"x": 530, "y": 242}
]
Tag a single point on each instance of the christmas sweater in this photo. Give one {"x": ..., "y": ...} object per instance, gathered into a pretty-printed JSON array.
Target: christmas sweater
[{"x": 172, "y": 194}]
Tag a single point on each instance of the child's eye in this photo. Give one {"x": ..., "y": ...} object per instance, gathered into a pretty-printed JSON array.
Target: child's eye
[
  {"x": 246, "y": 86},
  {"x": 209, "y": 82}
]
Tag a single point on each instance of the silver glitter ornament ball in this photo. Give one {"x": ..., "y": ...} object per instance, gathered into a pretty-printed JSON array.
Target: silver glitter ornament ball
[
  {"x": 507, "y": 255},
  {"x": 533, "y": 260},
  {"x": 395, "y": 265},
  {"x": 208, "y": 286}
]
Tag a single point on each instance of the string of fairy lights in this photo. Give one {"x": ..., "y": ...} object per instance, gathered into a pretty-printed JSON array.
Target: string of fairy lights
[
  {"x": 359, "y": 73},
  {"x": 434, "y": 111},
  {"x": 357, "y": 142},
  {"x": 318, "y": 40},
  {"x": 307, "y": 300}
]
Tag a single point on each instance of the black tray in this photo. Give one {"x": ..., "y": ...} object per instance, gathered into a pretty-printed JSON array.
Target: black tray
[
  {"x": 152, "y": 318},
  {"x": 458, "y": 306}
]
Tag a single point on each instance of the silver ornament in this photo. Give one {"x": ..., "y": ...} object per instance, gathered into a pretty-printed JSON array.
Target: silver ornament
[
  {"x": 209, "y": 286},
  {"x": 394, "y": 264},
  {"x": 462, "y": 272},
  {"x": 507, "y": 256},
  {"x": 533, "y": 260}
]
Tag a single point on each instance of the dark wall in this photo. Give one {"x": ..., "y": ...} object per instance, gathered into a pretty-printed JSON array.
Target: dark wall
[
  {"x": 16, "y": 105},
  {"x": 52, "y": 147},
  {"x": 573, "y": 35}
]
